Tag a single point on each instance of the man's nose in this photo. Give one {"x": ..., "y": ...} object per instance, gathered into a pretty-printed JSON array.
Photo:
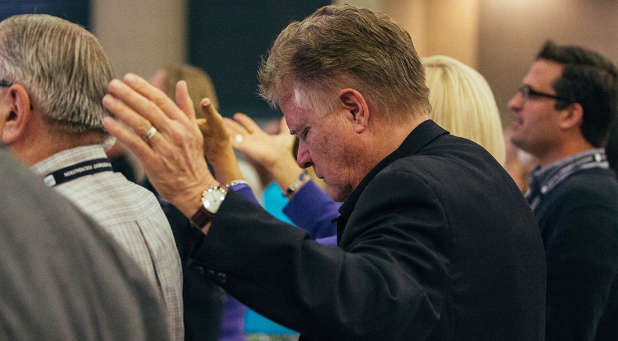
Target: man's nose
[
  {"x": 303, "y": 157},
  {"x": 516, "y": 102}
]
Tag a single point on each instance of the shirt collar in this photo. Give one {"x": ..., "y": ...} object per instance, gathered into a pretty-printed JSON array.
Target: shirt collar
[
  {"x": 68, "y": 157},
  {"x": 542, "y": 174}
]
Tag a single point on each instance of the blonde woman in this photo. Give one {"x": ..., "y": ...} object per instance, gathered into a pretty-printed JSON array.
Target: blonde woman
[{"x": 463, "y": 103}]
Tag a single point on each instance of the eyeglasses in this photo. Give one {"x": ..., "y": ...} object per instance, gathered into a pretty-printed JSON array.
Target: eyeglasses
[{"x": 527, "y": 92}]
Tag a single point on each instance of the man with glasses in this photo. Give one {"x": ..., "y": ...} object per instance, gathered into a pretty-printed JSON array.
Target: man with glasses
[
  {"x": 54, "y": 74},
  {"x": 563, "y": 112}
]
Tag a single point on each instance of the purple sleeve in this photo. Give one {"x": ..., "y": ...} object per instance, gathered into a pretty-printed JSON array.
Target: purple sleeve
[
  {"x": 312, "y": 210},
  {"x": 245, "y": 191},
  {"x": 324, "y": 228},
  {"x": 329, "y": 241},
  {"x": 232, "y": 320}
]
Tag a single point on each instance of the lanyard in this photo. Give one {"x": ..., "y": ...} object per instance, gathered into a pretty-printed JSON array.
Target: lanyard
[
  {"x": 537, "y": 191},
  {"x": 77, "y": 170}
]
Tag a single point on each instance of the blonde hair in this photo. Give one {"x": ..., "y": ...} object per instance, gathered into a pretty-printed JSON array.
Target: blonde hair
[
  {"x": 463, "y": 103},
  {"x": 62, "y": 66},
  {"x": 198, "y": 82},
  {"x": 343, "y": 45}
]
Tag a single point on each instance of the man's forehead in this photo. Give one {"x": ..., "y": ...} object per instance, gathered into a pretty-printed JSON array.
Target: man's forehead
[
  {"x": 543, "y": 73},
  {"x": 294, "y": 107}
]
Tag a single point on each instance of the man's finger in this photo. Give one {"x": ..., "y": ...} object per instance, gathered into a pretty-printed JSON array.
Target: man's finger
[
  {"x": 208, "y": 109},
  {"x": 156, "y": 98},
  {"x": 134, "y": 105},
  {"x": 184, "y": 101},
  {"x": 129, "y": 139},
  {"x": 127, "y": 115}
]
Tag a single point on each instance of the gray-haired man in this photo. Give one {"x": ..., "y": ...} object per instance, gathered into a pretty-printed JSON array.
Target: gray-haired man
[{"x": 53, "y": 75}]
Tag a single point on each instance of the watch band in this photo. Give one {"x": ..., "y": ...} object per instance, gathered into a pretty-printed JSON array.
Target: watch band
[
  {"x": 211, "y": 200},
  {"x": 295, "y": 186},
  {"x": 201, "y": 217}
]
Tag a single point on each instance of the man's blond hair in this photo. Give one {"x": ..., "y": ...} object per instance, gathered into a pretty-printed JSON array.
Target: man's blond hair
[{"x": 343, "y": 46}]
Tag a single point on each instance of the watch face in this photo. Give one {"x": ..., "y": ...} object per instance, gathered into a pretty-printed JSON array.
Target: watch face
[{"x": 212, "y": 198}]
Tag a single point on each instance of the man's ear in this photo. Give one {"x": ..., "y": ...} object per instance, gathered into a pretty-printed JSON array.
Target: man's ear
[
  {"x": 16, "y": 114},
  {"x": 572, "y": 116},
  {"x": 357, "y": 110}
]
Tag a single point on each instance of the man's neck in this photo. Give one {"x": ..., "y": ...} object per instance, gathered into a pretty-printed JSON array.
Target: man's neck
[
  {"x": 392, "y": 135},
  {"x": 564, "y": 150},
  {"x": 36, "y": 148}
]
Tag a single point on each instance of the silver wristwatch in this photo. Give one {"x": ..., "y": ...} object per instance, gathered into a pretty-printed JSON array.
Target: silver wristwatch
[{"x": 211, "y": 201}]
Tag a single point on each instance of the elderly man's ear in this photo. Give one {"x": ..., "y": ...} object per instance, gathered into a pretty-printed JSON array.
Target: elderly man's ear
[
  {"x": 357, "y": 109},
  {"x": 15, "y": 114}
]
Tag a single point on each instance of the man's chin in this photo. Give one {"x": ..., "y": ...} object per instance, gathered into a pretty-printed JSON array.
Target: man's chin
[{"x": 338, "y": 193}]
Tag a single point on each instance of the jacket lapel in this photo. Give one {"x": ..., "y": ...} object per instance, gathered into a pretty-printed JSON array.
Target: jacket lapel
[{"x": 422, "y": 135}]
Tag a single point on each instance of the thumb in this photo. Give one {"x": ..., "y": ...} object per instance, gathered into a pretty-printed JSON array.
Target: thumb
[{"x": 209, "y": 111}]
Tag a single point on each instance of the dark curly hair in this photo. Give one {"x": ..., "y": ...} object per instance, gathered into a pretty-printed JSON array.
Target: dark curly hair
[{"x": 589, "y": 79}]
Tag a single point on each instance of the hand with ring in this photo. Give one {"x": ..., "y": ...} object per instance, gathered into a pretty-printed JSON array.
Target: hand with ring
[
  {"x": 273, "y": 152},
  {"x": 150, "y": 133},
  {"x": 173, "y": 156}
]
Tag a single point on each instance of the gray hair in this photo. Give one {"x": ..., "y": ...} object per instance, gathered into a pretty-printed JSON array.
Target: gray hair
[
  {"x": 62, "y": 66},
  {"x": 342, "y": 46}
]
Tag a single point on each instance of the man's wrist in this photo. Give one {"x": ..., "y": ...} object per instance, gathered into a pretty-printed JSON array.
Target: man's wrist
[
  {"x": 191, "y": 200},
  {"x": 212, "y": 198},
  {"x": 226, "y": 167},
  {"x": 286, "y": 173}
]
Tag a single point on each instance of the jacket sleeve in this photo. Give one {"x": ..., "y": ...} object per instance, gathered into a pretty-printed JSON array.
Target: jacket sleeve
[{"x": 387, "y": 283}]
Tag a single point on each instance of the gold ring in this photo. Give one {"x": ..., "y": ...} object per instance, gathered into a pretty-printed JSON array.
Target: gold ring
[{"x": 150, "y": 133}]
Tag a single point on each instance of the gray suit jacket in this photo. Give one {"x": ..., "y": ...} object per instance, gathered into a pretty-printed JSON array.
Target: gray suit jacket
[{"x": 61, "y": 276}]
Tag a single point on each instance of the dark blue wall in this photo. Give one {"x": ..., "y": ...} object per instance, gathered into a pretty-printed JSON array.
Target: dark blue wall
[
  {"x": 76, "y": 11},
  {"x": 227, "y": 39}
]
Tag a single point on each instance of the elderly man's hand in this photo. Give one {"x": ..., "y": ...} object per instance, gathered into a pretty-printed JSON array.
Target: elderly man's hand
[{"x": 172, "y": 156}]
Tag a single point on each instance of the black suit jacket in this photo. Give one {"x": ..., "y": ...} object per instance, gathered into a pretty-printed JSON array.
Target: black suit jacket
[{"x": 436, "y": 243}]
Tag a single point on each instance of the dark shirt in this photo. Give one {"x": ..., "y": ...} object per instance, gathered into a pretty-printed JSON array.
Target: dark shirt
[{"x": 576, "y": 206}]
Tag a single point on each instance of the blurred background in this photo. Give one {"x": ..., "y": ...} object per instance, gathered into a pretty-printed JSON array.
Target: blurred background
[{"x": 228, "y": 37}]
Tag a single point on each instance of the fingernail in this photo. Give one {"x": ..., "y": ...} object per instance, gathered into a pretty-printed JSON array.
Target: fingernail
[
  {"x": 205, "y": 102},
  {"x": 108, "y": 121},
  {"x": 108, "y": 100},
  {"x": 130, "y": 78},
  {"x": 115, "y": 84}
]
